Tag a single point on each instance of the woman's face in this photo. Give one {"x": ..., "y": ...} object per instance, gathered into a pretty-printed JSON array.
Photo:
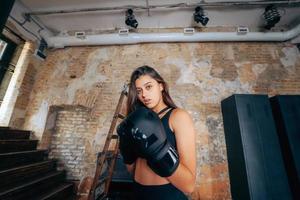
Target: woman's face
[{"x": 149, "y": 91}]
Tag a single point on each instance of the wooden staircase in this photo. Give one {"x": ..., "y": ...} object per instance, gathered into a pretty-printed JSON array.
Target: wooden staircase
[{"x": 27, "y": 173}]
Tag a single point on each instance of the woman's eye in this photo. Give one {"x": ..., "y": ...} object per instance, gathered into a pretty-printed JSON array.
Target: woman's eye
[{"x": 148, "y": 87}]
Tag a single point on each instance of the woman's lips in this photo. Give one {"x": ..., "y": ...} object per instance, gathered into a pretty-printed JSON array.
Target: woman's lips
[{"x": 148, "y": 101}]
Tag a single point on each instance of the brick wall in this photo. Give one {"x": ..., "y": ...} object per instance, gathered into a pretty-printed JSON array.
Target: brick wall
[
  {"x": 67, "y": 143},
  {"x": 200, "y": 75}
]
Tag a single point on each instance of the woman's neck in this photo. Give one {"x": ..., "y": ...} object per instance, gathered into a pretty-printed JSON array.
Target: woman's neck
[{"x": 160, "y": 107}]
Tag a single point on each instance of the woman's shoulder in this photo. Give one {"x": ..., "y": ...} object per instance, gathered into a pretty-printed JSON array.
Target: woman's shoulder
[
  {"x": 180, "y": 121},
  {"x": 179, "y": 112},
  {"x": 179, "y": 115}
]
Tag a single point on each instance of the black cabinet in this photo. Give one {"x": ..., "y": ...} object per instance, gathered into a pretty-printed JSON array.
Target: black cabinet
[
  {"x": 286, "y": 112},
  {"x": 255, "y": 162}
]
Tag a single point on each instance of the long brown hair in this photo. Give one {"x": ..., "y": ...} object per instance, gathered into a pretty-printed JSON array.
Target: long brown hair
[{"x": 132, "y": 101}]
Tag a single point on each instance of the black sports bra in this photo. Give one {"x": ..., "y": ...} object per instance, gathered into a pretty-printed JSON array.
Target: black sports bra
[{"x": 169, "y": 132}]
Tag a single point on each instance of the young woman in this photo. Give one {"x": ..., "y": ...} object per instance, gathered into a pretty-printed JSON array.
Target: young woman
[{"x": 147, "y": 88}]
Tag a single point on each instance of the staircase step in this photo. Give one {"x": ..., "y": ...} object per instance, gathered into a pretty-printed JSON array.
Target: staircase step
[
  {"x": 15, "y": 159},
  {"x": 7, "y": 146},
  {"x": 34, "y": 188},
  {"x": 15, "y": 176},
  {"x": 13, "y": 134},
  {"x": 26, "y": 173},
  {"x": 62, "y": 191},
  {"x": 4, "y": 127}
]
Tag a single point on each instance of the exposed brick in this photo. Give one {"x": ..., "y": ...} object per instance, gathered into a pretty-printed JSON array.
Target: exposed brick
[{"x": 200, "y": 75}]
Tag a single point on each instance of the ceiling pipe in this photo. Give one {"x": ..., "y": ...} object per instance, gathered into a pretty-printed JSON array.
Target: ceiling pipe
[
  {"x": 29, "y": 27},
  {"x": 168, "y": 6},
  {"x": 137, "y": 38}
]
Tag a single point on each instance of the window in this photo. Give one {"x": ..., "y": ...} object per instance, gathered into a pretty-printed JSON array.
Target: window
[
  {"x": 7, "y": 50},
  {"x": 3, "y": 46}
]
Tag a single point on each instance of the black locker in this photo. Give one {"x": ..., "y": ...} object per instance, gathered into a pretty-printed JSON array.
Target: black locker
[
  {"x": 286, "y": 111},
  {"x": 256, "y": 167}
]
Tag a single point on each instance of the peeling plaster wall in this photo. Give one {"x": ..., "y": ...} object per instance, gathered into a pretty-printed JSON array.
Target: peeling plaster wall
[
  {"x": 200, "y": 75},
  {"x": 18, "y": 115}
]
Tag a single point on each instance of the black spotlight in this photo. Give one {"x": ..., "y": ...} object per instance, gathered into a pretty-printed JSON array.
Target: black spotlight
[
  {"x": 200, "y": 17},
  {"x": 130, "y": 19},
  {"x": 40, "y": 52},
  {"x": 271, "y": 16}
]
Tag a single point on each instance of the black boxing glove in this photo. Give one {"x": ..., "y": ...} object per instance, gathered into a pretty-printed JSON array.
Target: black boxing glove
[
  {"x": 165, "y": 162},
  {"x": 126, "y": 145},
  {"x": 151, "y": 141}
]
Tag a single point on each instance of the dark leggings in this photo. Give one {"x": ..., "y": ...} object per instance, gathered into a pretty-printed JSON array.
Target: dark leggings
[{"x": 157, "y": 192}]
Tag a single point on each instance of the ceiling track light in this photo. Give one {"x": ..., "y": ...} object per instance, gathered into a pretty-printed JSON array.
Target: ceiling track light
[
  {"x": 130, "y": 19},
  {"x": 271, "y": 16},
  {"x": 40, "y": 51},
  {"x": 199, "y": 16}
]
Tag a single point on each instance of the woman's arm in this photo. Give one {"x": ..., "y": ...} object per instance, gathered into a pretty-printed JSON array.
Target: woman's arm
[{"x": 185, "y": 175}]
